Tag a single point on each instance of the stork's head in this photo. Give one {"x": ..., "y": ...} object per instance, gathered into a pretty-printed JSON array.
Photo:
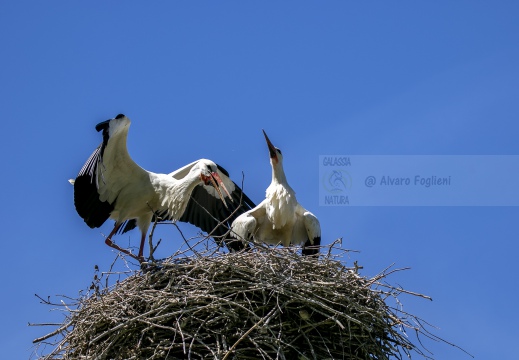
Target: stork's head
[
  {"x": 209, "y": 176},
  {"x": 114, "y": 126},
  {"x": 275, "y": 154}
]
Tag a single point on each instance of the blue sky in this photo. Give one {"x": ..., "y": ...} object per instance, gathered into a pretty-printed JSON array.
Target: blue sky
[{"x": 202, "y": 79}]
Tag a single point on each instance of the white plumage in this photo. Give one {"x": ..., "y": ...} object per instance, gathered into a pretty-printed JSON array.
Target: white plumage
[
  {"x": 279, "y": 219},
  {"x": 111, "y": 185}
]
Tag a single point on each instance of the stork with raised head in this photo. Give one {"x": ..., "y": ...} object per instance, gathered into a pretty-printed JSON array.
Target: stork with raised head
[
  {"x": 111, "y": 185},
  {"x": 279, "y": 219}
]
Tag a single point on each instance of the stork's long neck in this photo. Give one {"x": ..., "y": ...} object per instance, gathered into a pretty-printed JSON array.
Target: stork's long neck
[
  {"x": 281, "y": 198},
  {"x": 279, "y": 187},
  {"x": 278, "y": 174},
  {"x": 118, "y": 150},
  {"x": 191, "y": 180}
]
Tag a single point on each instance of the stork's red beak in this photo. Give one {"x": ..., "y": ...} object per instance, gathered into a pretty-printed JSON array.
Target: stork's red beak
[
  {"x": 272, "y": 149},
  {"x": 221, "y": 185},
  {"x": 215, "y": 180}
]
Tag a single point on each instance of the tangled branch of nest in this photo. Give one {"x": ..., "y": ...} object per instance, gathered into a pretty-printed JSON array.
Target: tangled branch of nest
[{"x": 262, "y": 304}]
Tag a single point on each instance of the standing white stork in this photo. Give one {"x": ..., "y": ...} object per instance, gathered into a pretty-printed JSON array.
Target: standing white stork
[
  {"x": 111, "y": 185},
  {"x": 279, "y": 219}
]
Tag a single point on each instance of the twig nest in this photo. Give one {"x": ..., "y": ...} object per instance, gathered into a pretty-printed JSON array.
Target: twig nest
[{"x": 261, "y": 304}]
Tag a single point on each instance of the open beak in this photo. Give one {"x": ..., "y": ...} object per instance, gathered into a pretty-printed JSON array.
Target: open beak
[
  {"x": 221, "y": 185},
  {"x": 272, "y": 148},
  {"x": 218, "y": 184}
]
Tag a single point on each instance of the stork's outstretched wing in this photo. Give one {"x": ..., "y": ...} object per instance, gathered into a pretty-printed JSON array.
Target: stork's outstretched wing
[{"x": 206, "y": 210}]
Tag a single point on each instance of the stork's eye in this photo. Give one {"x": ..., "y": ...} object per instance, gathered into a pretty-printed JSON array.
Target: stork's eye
[
  {"x": 279, "y": 151},
  {"x": 119, "y": 116}
]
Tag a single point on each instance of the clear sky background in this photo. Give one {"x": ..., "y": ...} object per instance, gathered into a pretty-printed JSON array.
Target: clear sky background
[{"x": 201, "y": 79}]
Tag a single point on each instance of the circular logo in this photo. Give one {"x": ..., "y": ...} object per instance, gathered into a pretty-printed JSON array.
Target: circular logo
[{"x": 336, "y": 181}]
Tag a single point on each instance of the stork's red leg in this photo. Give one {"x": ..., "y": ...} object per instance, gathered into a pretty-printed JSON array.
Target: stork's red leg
[{"x": 110, "y": 243}]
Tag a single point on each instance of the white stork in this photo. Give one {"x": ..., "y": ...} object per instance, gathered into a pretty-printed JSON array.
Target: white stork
[
  {"x": 111, "y": 185},
  {"x": 279, "y": 219}
]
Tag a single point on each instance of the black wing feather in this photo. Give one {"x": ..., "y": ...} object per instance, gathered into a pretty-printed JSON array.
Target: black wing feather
[
  {"x": 86, "y": 198},
  {"x": 310, "y": 248},
  {"x": 223, "y": 170},
  {"x": 206, "y": 212},
  {"x": 128, "y": 225}
]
